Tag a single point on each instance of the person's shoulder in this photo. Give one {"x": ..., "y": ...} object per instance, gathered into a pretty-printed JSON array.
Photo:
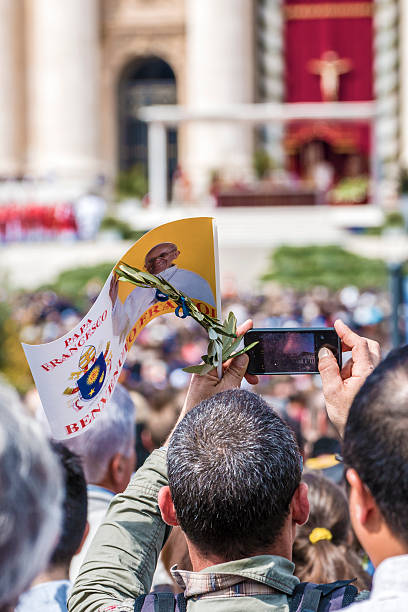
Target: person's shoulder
[
  {"x": 190, "y": 274},
  {"x": 186, "y": 272}
]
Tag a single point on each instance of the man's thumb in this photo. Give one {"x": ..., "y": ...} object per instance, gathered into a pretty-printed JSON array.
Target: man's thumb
[
  {"x": 328, "y": 367},
  {"x": 236, "y": 370},
  {"x": 324, "y": 352}
]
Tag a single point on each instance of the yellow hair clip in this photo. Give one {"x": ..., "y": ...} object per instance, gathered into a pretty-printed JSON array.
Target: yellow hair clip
[{"x": 320, "y": 533}]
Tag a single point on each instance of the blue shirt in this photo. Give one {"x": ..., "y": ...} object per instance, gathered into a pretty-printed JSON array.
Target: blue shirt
[{"x": 45, "y": 597}]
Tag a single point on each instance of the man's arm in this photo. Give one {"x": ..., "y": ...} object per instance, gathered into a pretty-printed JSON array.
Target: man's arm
[
  {"x": 340, "y": 388},
  {"x": 122, "y": 558}
]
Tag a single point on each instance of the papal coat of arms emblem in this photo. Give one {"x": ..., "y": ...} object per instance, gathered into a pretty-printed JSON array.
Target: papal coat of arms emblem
[{"x": 91, "y": 373}]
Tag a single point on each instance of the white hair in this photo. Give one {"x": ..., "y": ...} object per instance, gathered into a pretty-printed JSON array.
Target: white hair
[
  {"x": 112, "y": 432},
  {"x": 31, "y": 494}
]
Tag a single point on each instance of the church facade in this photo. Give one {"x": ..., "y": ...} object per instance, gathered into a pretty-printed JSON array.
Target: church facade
[{"x": 75, "y": 75}]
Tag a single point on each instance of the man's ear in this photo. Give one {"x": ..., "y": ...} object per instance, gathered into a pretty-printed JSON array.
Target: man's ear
[
  {"x": 166, "y": 506},
  {"x": 176, "y": 255},
  {"x": 116, "y": 468},
  {"x": 362, "y": 504},
  {"x": 85, "y": 535},
  {"x": 300, "y": 505}
]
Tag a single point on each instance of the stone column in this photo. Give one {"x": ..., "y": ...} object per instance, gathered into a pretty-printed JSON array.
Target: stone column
[
  {"x": 220, "y": 57},
  {"x": 157, "y": 150},
  {"x": 403, "y": 80},
  {"x": 11, "y": 86},
  {"x": 63, "y": 89},
  {"x": 271, "y": 71},
  {"x": 386, "y": 86}
]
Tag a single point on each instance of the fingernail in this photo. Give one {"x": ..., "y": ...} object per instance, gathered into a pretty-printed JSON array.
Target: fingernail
[{"x": 324, "y": 352}]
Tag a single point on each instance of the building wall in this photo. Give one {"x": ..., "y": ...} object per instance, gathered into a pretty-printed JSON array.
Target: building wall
[
  {"x": 61, "y": 64},
  {"x": 12, "y": 88},
  {"x": 132, "y": 29},
  {"x": 61, "y": 68}
]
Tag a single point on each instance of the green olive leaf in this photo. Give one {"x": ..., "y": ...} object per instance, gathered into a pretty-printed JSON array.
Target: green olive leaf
[
  {"x": 222, "y": 336},
  {"x": 212, "y": 334},
  {"x": 231, "y": 346},
  {"x": 245, "y": 349},
  {"x": 199, "y": 369}
]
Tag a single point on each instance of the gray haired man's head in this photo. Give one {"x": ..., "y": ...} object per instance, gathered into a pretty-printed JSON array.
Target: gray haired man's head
[
  {"x": 110, "y": 439},
  {"x": 31, "y": 494},
  {"x": 233, "y": 468}
]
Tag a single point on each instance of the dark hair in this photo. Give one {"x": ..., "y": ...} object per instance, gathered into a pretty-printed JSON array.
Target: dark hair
[
  {"x": 74, "y": 508},
  {"x": 233, "y": 467},
  {"x": 376, "y": 439},
  {"x": 327, "y": 560}
]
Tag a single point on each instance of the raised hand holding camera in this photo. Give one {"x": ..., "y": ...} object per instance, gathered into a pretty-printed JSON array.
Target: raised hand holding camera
[{"x": 341, "y": 385}]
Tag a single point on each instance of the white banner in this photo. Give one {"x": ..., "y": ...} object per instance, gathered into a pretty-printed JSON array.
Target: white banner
[{"x": 76, "y": 374}]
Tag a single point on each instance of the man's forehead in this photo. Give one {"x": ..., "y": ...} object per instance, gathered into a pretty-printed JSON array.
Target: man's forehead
[{"x": 158, "y": 249}]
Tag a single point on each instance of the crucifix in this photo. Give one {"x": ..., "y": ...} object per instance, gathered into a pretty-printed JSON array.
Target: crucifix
[{"x": 330, "y": 67}]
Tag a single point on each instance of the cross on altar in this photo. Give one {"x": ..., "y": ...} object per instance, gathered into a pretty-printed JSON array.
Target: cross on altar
[{"x": 330, "y": 67}]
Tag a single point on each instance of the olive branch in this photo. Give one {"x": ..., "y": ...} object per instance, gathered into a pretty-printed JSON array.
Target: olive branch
[{"x": 223, "y": 339}]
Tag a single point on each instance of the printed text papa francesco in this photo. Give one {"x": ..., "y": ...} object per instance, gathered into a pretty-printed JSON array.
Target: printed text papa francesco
[{"x": 75, "y": 342}]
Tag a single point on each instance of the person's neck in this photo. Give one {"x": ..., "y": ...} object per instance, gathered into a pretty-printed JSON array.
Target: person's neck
[
  {"x": 106, "y": 483},
  {"x": 282, "y": 547},
  {"x": 384, "y": 546},
  {"x": 52, "y": 573}
]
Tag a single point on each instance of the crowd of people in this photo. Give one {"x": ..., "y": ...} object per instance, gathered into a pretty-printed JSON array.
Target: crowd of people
[
  {"x": 248, "y": 492},
  {"x": 226, "y": 497},
  {"x": 26, "y": 218},
  {"x": 37, "y": 221},
  {"x": 153, "y": 371}
]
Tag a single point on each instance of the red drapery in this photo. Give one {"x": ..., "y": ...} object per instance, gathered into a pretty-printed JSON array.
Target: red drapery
[{"x": 314, "y": 27}]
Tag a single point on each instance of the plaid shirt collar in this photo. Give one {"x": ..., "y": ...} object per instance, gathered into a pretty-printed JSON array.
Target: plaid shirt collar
[{"x": 264, "y": 574}]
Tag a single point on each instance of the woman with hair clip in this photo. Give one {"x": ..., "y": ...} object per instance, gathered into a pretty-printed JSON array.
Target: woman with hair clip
[{"x": 322, "y": 551}]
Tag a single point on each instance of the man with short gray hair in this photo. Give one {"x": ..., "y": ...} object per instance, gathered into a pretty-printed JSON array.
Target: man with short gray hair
[
  {"x": 107, "y": 452},
  {"x": 230, "y": 476},
  {"x": 30, "y": 500}
]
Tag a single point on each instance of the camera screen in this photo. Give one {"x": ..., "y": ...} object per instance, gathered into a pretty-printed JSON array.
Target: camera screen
[{"x": 289, "y": 351}]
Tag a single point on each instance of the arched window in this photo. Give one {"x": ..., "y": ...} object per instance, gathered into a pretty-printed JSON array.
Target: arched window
[{"x": 144, "y": 81}]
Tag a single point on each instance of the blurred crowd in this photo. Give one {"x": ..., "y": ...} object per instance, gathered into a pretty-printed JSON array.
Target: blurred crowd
[
  {"x": 35, "y": 220},
  {"x": 146, "y": 406},
  {"x": 153, "y": 371}
]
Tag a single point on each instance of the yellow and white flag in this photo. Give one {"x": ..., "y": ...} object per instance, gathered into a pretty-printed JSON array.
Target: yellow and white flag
[{"x": 76, "y": 374}]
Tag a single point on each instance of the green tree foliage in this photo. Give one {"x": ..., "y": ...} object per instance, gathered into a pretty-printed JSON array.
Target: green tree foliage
[
  {"x": 262, "y": 163},
  {"x": 77, "y": 284},
  {"x": 122, "y": 228},
  {"x": 330, "y": 266},
  {"x": 13, "y": 364},
  {"x": 132, "y": 183}
]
